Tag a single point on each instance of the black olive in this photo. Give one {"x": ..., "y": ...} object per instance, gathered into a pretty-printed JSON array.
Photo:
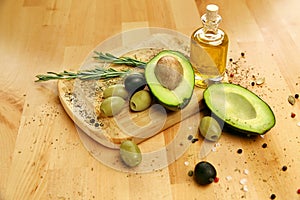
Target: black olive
[
  {"x": 134, "y": 82},
  {"x": 204, "y": 173}
]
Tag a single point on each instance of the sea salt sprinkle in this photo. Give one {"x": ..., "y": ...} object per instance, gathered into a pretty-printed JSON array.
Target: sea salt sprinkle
[
  {"x": 243, "y": 181},
  {"x": 186, "y": 163},
  {"x": 298, "y": 124},
  {"x": 246, "y": 171},
  {"x": 228, "y": 178},
  {"x": 245, "y": 188}
]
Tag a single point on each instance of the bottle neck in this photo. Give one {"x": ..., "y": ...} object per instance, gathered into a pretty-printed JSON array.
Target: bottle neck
[
  {"x": 210, "y": 32},
  {"x": 211, "y": 25}
]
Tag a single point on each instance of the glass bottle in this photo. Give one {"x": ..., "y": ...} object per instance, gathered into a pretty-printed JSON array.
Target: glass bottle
[{"x": 209, "y": 46}]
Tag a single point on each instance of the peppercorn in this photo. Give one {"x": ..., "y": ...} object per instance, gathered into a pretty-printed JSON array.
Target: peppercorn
[
  {"x": 239, "y": 151},
  {"x": 242, "y": 54},
  {"x": 230, "y": 59},
  {"x": 190, "y": 137},
  {"x": 194, "y": 140},
  {"x": 296, "y": 96},
  {"x": 191, "y": 173},
  {"x": 284, "y": 168},
  {"x": 252, "y": 83},
  {"x": 264, "y": 145},
  {"x": 273, "y": 196}
]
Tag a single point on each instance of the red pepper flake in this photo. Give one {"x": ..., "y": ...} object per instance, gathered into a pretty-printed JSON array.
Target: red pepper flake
[
  {"x": 298, "y": 191},
  {"x": 216, "y": 179},
  {"x": 293, "y": 115}
]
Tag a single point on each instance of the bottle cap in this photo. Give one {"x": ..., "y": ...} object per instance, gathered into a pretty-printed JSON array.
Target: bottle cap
[{"x": 212, "y": 12}]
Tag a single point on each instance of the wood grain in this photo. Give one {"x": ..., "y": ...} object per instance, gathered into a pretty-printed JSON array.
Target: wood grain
[{"x": 42, "y": 156}]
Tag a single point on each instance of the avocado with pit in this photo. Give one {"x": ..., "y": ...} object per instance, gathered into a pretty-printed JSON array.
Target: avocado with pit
[
  {"x": 239, "y": 108},
  {"x": 170, "y": 77}
]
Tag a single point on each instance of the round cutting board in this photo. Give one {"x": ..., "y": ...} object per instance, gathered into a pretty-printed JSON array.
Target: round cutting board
[{"x": 81, "y": 100}]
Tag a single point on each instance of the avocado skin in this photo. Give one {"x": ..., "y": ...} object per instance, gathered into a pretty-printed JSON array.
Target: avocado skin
[
  {"x": 189, "y": 79},
  {"x": 235, "y": 127}
]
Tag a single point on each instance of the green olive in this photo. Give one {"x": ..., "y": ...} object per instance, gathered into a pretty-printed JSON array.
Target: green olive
[
  {"x": 210, "y": 129},
  {"x": 112, "y": 105},
  {"x": 115, "y": 90},
  {"x": 140, "y": 100},
  {"x": 130, "y": 153}
]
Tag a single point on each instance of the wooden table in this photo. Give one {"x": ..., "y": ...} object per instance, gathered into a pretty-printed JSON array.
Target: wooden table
[{"x": 42, "y": 156}]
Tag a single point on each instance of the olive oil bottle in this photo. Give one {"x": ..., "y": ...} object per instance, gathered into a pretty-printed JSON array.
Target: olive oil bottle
[{"x": 209, "y": 46}]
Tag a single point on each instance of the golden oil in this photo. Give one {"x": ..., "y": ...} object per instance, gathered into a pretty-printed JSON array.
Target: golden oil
[{"x": 209, "y": 46}]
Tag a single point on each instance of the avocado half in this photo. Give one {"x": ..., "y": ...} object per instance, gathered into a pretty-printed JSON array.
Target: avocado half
[
  {"x": 176, "y": 98},
  {"x": 239, "y": 108}
]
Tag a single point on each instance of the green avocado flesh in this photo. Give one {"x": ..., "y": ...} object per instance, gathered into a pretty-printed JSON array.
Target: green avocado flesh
[
  {"x": 178, "y": 97},
  {"x": 239, "y": 108}
]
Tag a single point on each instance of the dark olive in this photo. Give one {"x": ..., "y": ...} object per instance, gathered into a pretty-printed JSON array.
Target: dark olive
[
  {"x": 134, "y": 82},
  {"x": 204, "y": 173}
]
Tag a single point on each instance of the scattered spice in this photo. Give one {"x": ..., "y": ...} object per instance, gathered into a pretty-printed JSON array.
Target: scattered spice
[
  {"x": 264, "y": 145},
  {"x": 284, "y": 168},
  {"x": 239, "y": 151},
  {"x": 246, "y": 171},
  {"x": 194, "y": 140},
  {"x": 252, "y": 83},
  {"x": 291, "y": 100},
  {"x": 245, "y": 188},
  {"x": 260, "y": 81},
  {"x": 242, "y": 54},
  {"x": 190, "y": 137},
  {"x": 273, "y": 196},
  {"x": 293, "y": 115},
  {"x": 216, "y": 179},
  {"x": 298, "y": 191},
  {"x": 229, "y": 178},
  {"x": 191, "y": 173},
  {"x": 243, "y": 181},
  {"x": 296, "y": 96}
]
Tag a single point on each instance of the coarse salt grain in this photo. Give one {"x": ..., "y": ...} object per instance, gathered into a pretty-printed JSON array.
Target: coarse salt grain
[
  {"x": 298, "y": 124},
  {"x": 217, "y": 144},
  {"x": 228, "y": 178},
  {"x": 246, "y": 171},
  {"x": 243, "y": 181},
  {"x": 245, "y": 188},
  {"x": 213, "y": 149},
  {"x": 186, "y": 163}
]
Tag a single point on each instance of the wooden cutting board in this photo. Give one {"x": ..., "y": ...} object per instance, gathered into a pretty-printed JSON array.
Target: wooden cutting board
[{"x": 82, "y": 99}]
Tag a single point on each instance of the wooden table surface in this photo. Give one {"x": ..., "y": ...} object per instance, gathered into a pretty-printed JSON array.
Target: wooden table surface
[{"x": 42, "y": 156}]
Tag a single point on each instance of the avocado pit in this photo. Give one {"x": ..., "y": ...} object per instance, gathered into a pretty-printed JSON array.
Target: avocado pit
[{"x": 169, "y": 72}]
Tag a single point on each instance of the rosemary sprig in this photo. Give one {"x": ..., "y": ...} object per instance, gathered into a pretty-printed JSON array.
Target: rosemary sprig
[
  {"x": 107, "y": 57},
  {"x": 97, "y": 73}
]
